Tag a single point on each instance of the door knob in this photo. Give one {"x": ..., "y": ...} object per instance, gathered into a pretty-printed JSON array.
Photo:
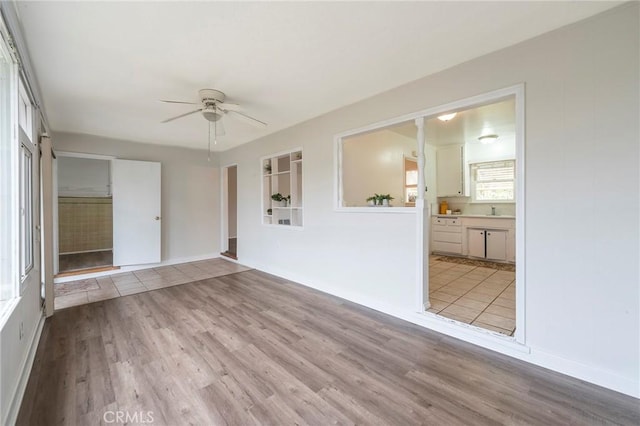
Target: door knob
[{"x": 157, "y": 217}]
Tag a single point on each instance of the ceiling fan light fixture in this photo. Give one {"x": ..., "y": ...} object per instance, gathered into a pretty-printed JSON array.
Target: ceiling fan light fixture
[
  {"x": 211, "y": 114},
  {"x": 447, "y": 117},
  {"x": 488, "y": 138}
]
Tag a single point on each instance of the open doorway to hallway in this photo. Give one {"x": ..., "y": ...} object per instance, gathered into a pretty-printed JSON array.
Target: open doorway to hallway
[{"x": 230, "y": 212}]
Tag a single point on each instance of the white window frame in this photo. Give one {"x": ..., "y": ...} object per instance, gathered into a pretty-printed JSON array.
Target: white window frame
[
  {"x": 339, "y": 139},
  {"x": 25, "y": 111},
  {"x": 9, "y": 219},
  {"x": 25, "y": 177},
  {"x": 486, "y": 164}
]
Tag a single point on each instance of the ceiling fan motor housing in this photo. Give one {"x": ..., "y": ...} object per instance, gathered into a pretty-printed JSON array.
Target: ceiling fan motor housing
[{"x": 211, "y": 96}]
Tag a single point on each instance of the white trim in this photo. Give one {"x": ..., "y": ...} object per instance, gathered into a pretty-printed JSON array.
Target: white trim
[
  {"x": 131, "y": 268},
  {"x": 83, "y": 155},
  {"x": 7, "y": 310},
  {"x": 87, "y": 251},
  {"x": 520, "y": 333},
  {"x": 262, "y": 209},
  {"x": 491, "y": 97},
  {"x": 224, "y": 200},
  {"x": 378, "y": 209},
  {"x": 25, "y": 371},
  {"x": 478, "y": 100}
]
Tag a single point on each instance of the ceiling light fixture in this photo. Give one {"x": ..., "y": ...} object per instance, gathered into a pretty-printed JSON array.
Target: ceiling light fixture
[
  {"x": 447, "y": 117},
  {"x": 488, "y": 138}
]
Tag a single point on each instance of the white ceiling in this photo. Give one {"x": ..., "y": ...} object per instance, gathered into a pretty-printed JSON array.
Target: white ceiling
[{"x": 103, "y": 66}]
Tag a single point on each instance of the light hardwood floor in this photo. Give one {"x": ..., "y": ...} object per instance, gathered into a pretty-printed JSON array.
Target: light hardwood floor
[{"x": 250, "y": 348}]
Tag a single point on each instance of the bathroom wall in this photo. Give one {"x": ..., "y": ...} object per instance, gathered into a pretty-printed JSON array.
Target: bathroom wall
[{"x": 85, "y": 224}]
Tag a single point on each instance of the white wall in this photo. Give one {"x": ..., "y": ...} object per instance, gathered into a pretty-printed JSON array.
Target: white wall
[
  {"x": 374, "y": 164},
  {"x": 83, "y": 177},
  {"x": 505, "y": 149},
  {"x": 582, "y": 157},
  {"x": 190, "y": 194}
]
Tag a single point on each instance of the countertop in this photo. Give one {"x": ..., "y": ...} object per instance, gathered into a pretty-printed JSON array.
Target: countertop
[{"x": 484, "y": 216}]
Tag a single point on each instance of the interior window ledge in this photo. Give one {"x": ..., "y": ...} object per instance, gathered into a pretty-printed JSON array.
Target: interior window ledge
[
  {"x": 375, "y": 210},
  {"x": 6, "y": 309}
]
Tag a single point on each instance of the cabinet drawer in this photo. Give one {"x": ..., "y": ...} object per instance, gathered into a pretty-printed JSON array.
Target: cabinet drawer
[
  {"x": 441, "y": 228},
  {"x": 453, "y": 222},
  {"x": 447, "y": 247},
  {"x": 447, "y": 237},
  {"x": 439, "y": 221}
]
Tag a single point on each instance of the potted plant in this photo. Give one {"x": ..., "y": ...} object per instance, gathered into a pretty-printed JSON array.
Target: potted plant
[
  {"x": 269, "y": 212},
  {"x": 278, "y": 197},
  {"x": 384, "y": 199},
  {"x": 287, "y": 200},
  {"x": 373, "y": 200},
  {"x": 267, "y": 167}
]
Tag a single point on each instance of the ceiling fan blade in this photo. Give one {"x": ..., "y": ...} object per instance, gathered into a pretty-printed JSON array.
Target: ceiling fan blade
[
  {"x": 179, "y": 102},
  {"x": 247, "y": 118},
  {"x": 181, "y": 115},
  {"x": 228, "y": 106}
]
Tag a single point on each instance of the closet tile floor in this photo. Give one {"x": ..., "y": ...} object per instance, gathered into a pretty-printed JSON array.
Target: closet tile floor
[
  {"x": 90, "y": 290},
  {"x": 477, "y": 295}
]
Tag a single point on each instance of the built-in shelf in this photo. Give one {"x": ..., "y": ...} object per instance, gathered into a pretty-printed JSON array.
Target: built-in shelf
[{"x": 282, "y": 174}]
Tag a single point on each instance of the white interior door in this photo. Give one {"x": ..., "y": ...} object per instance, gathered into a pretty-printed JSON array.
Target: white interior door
[{"x": 135, "y": 187}]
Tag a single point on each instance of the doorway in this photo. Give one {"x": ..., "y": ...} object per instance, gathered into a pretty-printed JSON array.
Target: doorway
[
  {"x": 230, "y": 212},
  {"x": 85, "y": 214},
  {"x": 476, "y": 223}
]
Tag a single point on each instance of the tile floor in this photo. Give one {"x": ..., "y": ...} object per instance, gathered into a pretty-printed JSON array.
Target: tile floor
[
  {"x": 482, "y": 296},
  {"x": 90, "y": 290}
]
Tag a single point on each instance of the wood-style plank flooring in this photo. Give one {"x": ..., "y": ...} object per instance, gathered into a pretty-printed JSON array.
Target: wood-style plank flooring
[{"x": 251, "y": 348}]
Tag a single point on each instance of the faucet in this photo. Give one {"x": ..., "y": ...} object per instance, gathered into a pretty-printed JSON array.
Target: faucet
[{"x": 493, "y": 210}]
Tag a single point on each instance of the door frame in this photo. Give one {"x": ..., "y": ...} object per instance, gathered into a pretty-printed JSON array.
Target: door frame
[
  {"x": 56, "y": 236},
  {"x": 224, "y": 201},
  {"x": 518, "y": 91}
]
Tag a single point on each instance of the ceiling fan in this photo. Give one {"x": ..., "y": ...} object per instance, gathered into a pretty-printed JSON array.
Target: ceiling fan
[{"x": 213, "y": 107}]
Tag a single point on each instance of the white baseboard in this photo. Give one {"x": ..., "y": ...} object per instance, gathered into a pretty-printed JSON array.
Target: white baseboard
[
  {"x": 16, "y": 402},
  {"x": 130, "y": 268},
  {"x": 486, "y": 339}
]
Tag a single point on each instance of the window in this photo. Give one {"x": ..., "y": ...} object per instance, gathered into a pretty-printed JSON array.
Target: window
[
  {"x": 26, "y": 211},
  {"x": 25, "y": 115},
  {"x": 377, "y": 164},
  {"x": 8, "y": 182},
  {"x": 493, "y": 181}
]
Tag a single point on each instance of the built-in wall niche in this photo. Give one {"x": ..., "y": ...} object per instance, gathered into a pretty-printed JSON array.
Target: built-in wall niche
[{"x": 282, "y": 194}]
